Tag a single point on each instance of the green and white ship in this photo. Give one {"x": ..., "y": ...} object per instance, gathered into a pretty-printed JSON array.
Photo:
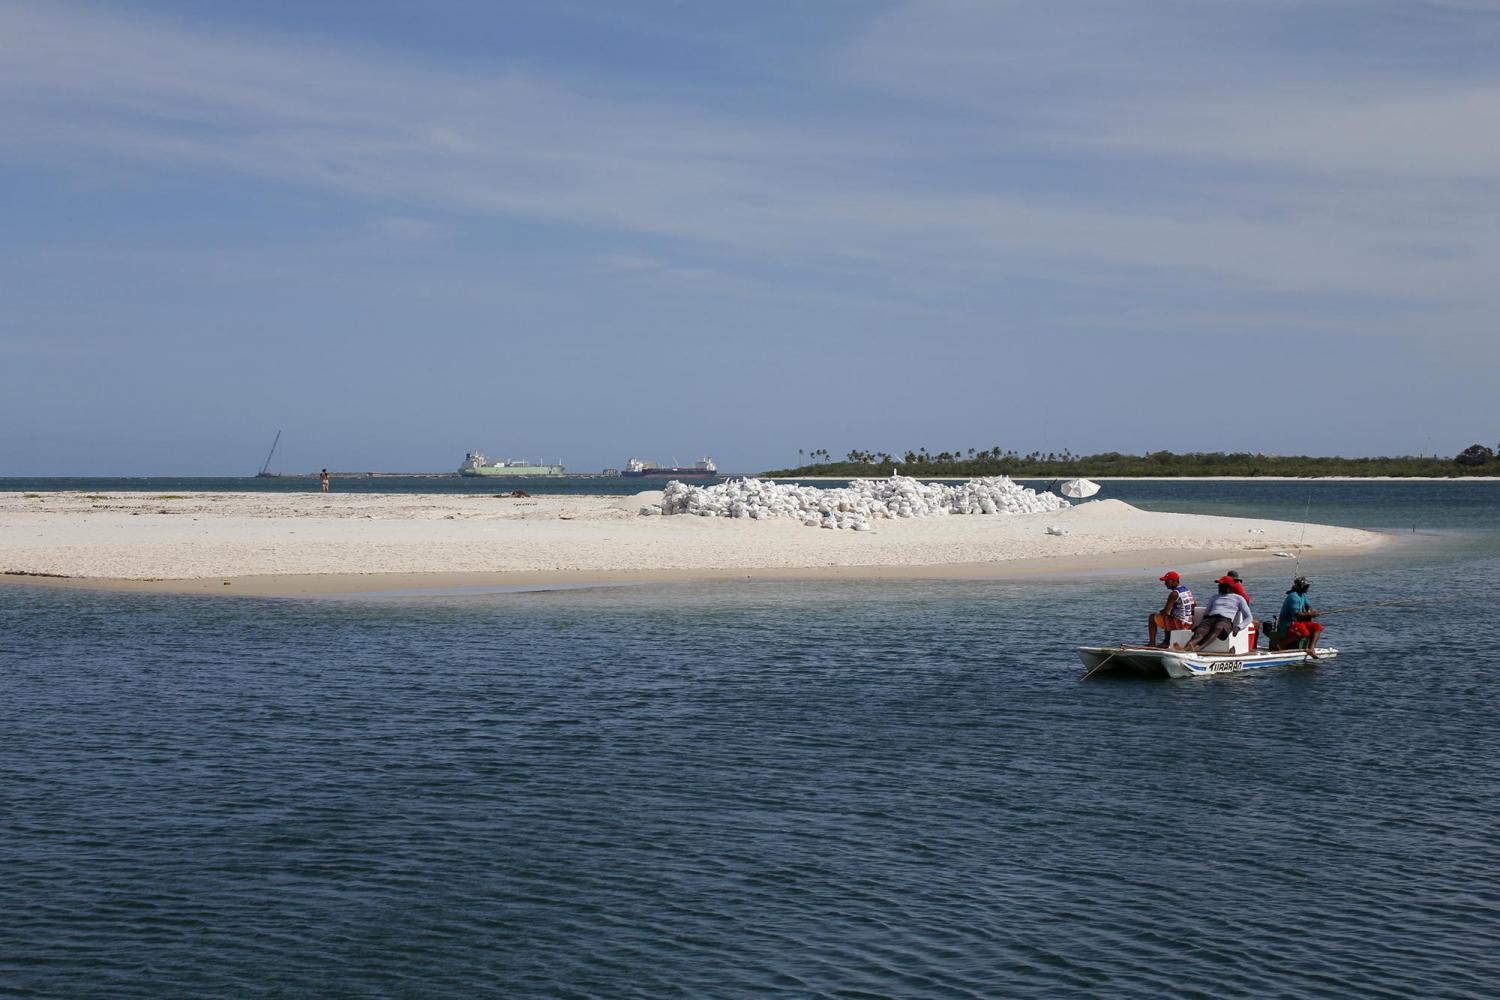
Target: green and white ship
[{"x": 475, "y": 464}]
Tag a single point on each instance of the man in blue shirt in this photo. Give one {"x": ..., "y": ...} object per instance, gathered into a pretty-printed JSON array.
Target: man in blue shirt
[{"x": 1295, "y": 626}]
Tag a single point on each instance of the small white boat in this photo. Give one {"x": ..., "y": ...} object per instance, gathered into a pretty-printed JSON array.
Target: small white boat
[{"x": 1229, "y": 656}]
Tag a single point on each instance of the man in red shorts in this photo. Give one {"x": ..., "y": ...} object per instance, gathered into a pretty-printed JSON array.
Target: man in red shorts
[
  {"x": 1295, "y": 628},
  {"x": 1177, "y": 613}
]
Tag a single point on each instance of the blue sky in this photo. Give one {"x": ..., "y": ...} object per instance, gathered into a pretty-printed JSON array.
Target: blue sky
[{"x": 593, "y": 230}]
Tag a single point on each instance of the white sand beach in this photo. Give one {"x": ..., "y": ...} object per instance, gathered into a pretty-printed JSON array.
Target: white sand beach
[{"x": 280, "y": 543}]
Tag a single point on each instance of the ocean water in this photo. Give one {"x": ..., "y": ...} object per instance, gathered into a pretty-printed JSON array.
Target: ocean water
[{"x": 840, "y": 789}]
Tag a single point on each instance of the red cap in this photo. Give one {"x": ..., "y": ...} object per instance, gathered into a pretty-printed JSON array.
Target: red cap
[
  {"x": 1170, "y": 576},
  {"x": 1227, "y": 579}
]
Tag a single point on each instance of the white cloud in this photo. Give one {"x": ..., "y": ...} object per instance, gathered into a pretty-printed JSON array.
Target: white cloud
[
  {"x": 629, "y": 262},
  {"x": 1359, "y": 191},
  {"x": 1231, "y": 83},
  {"x": 409, "y": 229},
  {"x": 1467, "y": 6},
  {"x": 1329, "y": 130}
]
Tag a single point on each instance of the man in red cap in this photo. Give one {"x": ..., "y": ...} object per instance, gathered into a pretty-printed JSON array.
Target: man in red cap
[
  {"x": 1177, "y": 613},
  {"x": 1239, "y": 588},
  {"x": 1239, "y": 584},
  {"x": 1225, "y": 615}
]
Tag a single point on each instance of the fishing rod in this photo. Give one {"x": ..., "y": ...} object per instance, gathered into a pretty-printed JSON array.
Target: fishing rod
[
  {"x": 1297, "y": 552},
  {"x": 1378, "y": 604}
]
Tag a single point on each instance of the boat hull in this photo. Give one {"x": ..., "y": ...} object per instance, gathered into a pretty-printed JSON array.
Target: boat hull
[
  {"x": 675, "y": 473},
  {"x": 492, "y": 471},
  {"x": 1177, "y": 663}
]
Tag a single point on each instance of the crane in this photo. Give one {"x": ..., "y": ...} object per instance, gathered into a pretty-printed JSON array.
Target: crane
[{"x": 265, "y": 470}]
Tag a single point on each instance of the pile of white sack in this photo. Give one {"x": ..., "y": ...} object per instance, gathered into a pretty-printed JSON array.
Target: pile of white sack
[{"x": 856, "y": 505}]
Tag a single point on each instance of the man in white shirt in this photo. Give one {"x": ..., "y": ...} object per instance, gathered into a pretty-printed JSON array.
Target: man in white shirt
[{"x": 1226, "y": 614}]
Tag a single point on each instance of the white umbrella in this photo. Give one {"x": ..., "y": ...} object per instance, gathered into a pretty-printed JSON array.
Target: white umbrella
[{"x": 1078, "y": 489}]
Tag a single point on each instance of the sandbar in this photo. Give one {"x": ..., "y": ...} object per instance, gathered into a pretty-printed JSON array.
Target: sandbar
[{"x": 310, "y": 543}]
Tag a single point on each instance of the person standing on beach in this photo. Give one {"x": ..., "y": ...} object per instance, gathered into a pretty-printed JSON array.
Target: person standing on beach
[{"x": 323, "y": 481}]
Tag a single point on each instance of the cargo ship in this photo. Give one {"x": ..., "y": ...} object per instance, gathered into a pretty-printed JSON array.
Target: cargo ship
[
  {"x": 475, "y": 464},
  {"x": 637, "y": 467}
]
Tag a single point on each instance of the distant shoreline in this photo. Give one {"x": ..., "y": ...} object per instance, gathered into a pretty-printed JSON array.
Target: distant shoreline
[
  {"x": 1172, "y": 479},
  {"x": 1474, "y": 462},
  {"x": 500, "y": 482}
]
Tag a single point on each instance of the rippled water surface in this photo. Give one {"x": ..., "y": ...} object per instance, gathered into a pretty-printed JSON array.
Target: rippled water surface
[{"x": 747, "y": 789}]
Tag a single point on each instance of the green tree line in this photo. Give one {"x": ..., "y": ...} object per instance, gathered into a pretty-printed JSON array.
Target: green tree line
[{"x": 1476, "y": 460}]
